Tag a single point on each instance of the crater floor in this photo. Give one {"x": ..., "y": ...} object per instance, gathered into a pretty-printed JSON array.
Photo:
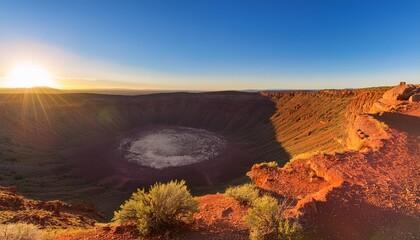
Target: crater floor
[{"x": 172, "y": 147}]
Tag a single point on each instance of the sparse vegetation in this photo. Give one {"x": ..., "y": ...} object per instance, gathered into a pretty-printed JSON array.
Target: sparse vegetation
[
  {"x": 272, "y": 164},
  {"x": 265, "y": 220},
  {"x": 165, "y": 205},
  {"x": 381, "y": 125},
  {"x": 245, "y": 193},
  {"x": 52, "y": 234},
  {"x": 20, "y": 231},
  {"x": 263, "y": 217},
  {"x": 290, "y": 230}
]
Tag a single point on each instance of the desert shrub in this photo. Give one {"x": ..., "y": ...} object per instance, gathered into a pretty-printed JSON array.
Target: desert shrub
[
  {"x": 263, "y": 217},
  {"x": 289, "y": 230},
  {"x": 265, "y": 220},
  {"x": 163, "y": 206},
  {"x": 245, "y": 193},
  {"x": 272, "y": 164},
  {"x": 20, "y": 231}
]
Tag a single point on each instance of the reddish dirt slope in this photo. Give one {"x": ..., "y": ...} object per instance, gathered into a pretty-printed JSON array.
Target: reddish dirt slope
[
  {"x": 220, "y": 217},
  {"x": 316, "y": 121},
  {"x": 123, "y": 232},
  {"x": 358, "y": 195},
  {"x": 14, "y": 208}
]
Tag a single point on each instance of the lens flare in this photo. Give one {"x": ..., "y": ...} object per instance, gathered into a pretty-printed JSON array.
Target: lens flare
[{"x": 28, "y": 76}]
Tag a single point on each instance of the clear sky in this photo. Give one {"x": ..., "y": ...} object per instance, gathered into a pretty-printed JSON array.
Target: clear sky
[{"x": 214, "y": 45}]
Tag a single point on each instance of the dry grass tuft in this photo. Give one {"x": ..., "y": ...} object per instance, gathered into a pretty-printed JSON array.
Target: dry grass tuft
[{"x": 20, "y": 231}]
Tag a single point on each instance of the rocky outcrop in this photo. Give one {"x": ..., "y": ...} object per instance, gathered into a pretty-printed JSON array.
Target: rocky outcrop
[
  {"x": 357, "y": 194},
  {"x": 15, "y": 208},
  {"x": 402, "y": 92},
  {"x": 362, "y": 103},
  {"x": 357, "y": 118},
  {"x": 396, "y": 98},
  {"x": 365, "y": 131}
]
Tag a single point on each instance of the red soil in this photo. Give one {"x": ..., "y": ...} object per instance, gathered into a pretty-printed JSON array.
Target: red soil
[
  {"x": 14, "y": 208},
  {"x": 123, "y": 232},
  {"x": 220, "y": 217},
  {"x": 357, "y": 195}
]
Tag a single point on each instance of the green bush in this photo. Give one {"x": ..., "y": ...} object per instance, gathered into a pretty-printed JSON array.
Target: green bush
[
  {"x": 20, "y": 231},
  {"x": 245, "y": 194},
  {"x": 265, "y": 220},
  {"x": 289, "y": 230},
  {"x": 165, "y": 205},
  {"x": 263, "y": 217}
]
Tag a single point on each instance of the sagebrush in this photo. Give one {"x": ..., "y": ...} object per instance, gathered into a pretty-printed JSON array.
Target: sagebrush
[
  {"x": 265, "y": 220},
  {"x": 289, "y": 229},
  {"x": 263, "y": 217},
  {"x": 165, "y": 205},
  {"x": 20, "y": 231},
  {"x": 245, "y": 193}
]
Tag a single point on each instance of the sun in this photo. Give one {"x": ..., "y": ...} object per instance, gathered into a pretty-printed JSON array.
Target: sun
[{"x": 29, "y": 75}]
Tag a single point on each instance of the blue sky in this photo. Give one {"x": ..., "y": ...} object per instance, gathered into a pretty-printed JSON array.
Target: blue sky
[{"x": 213, "y": 45}]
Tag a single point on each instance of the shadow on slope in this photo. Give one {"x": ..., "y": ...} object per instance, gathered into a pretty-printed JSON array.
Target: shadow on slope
[
  {"x": 401, "y": 122},
  {"x": 352, "y": 217}
]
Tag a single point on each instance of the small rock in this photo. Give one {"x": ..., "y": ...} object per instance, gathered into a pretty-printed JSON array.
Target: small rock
[{"x": 227, "y": 211}]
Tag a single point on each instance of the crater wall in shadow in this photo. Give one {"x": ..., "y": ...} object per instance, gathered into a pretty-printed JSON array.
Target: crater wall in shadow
[{"x": 79, "y": 133}]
